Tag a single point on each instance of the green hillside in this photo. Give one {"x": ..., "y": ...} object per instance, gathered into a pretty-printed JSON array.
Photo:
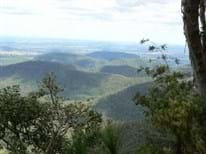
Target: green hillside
[
  {"x": 77, "y": 84},
  {"x": 6, "y": 59},
  {"x": 82, "y": 62},
  {"x": 124, "y": 70},
  {"x": 60, "y": 57},
  {"x": 96, "y": 61},
  {"x": 111, "y": 55},
  {"x": 120, "y": 106}
]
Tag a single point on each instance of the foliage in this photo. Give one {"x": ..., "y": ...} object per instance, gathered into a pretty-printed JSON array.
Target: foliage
[
  {"x": 173, "y": 105},
  {"x": 77, "y": 84},
  {"x": 110, "y": 136},
  {"x": 40, "y": 122},
  {"x": 153, "y": 149},
  {"x": 82, "y": 140}
]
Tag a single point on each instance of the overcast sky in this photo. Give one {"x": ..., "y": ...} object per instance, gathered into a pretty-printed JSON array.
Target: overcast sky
[{"x": 111, "y": 20}]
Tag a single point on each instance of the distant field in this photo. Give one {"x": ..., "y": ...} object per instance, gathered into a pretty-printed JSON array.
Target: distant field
[{"x": 13, "y": 59}]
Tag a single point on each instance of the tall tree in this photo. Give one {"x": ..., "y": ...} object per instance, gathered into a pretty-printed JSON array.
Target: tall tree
[{"x": 195, "y": 33}]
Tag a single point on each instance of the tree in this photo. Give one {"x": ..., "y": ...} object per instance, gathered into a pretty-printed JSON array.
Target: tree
[
  {"x": 41, "y": 121},
  {"x": 175, "y": 108},
  {"x": 17, "y": 116},
  {"x": 111, "y": 136},
  {"x": 195, "y": 32}
]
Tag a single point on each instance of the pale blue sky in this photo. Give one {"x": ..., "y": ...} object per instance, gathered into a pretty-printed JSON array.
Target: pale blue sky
[{"x": 110, "y": 20}]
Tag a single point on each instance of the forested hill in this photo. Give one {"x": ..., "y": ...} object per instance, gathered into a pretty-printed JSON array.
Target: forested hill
[
  {"x": 120, "y": 106},
  {"x": 111, "y": 55}
]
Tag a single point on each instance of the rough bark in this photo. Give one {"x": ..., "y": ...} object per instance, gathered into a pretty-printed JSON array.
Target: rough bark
[{"x": 194, "y": 28}]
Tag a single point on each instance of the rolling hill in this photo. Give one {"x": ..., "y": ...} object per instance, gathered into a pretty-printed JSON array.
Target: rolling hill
[
  {"x": 80, "y": 61},
  {"x": 74, "y": 81},
  {"x": 111, "y": 55},
  {"x": 120, "y": 106},
  {"x": 95, "y": 61},
  {"x": 124, "y": 70},
  {"x": 34, "y": 70},
  {"x": 60, "y": 57},
  {"x": 77, "y": 84}
]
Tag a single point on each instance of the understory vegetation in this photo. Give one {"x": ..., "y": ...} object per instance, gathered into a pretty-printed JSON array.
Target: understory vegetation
[
  {"x": 175, "y": 109},
  {"x": 41, "y": 122}
]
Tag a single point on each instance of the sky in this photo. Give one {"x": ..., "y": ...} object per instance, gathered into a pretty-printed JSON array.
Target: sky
[{"x": 107, "y": 20}]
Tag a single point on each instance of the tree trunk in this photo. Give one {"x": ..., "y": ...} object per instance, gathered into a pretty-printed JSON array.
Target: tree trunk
[
  {"x": 179, "y": 149},
  {"x": 193, "y": 18}
]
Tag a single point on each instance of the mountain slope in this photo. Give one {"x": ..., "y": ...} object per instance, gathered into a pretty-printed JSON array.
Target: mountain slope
[
  {"x": 74, "y": 81},
  {"x": 124, "y": 70},
  {"x": 120, "y": 106},
  {"x": 77, "y": 84},
  {"x": 111, "y": 55},
  {"x": 60, "y": 57},
  {"x": 81, "y": 61},
  {"x": 33, "y": 69}
]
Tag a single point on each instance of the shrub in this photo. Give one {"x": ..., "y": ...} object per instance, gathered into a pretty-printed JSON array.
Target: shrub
[
  {"x": 41, "y": 122},
  {"x": 173, "y": 106}
]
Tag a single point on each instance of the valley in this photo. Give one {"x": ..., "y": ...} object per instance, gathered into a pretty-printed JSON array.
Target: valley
[{"x": 103, "y": 74}]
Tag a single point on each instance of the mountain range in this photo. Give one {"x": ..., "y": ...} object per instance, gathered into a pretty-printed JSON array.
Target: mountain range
[{"x": 108, "y": 78}]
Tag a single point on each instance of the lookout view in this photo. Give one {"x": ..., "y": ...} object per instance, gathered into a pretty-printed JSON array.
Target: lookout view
[{"x": 102, "y": 77}]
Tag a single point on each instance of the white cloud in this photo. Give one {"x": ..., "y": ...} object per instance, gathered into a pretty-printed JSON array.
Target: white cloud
[{"x": 126, "y": 20}]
